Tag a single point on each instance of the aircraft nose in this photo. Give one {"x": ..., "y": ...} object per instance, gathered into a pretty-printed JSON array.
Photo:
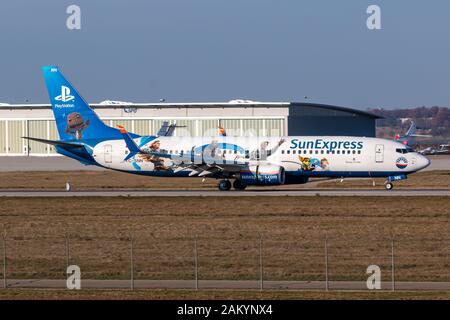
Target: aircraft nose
[{"x": 423, "y": 162}]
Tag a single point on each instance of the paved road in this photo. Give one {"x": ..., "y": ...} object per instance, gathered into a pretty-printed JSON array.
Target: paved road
[
  {"x": 214, "y": 193},
  {"x": 227, "y": 284},
  {"x": 34, "y": 163}
]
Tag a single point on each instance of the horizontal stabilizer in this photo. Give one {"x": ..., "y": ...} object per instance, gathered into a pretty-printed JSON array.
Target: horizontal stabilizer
[{"x": 56, "y": 142}]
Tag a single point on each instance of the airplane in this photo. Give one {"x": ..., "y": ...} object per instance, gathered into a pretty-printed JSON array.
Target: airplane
[
  {"x": 408, "y": 138},
  {"x": 443, "y": 149},
  {"x": 247, "y": 161},
  {"x": 167, "y": 129}
]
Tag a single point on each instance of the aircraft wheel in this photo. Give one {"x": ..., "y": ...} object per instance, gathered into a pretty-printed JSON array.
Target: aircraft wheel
[
  {"x": 389, "y": 186},
  {"x": 224, "y": 185},
  {"x": 238, "y": 185}
]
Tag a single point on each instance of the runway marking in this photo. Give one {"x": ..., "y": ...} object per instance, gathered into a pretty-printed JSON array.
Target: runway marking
[{"x": 249, "y": 193}]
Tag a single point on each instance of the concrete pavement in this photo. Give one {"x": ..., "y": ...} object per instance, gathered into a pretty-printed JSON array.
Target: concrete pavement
[
  {"x": 226, "y": 284},
  {"x": 249, "y": 193}
]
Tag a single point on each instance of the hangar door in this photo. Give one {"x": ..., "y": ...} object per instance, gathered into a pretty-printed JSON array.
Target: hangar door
[
  {"x": 379, "y": 153},
  {"x": 37, "y": 129},
  {"x": 2, "y": 137}
]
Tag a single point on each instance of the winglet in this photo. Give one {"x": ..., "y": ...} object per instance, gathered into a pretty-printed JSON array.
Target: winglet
[
  {"x": 121, "y": 129},
  {"x": 132, "y": 146}
]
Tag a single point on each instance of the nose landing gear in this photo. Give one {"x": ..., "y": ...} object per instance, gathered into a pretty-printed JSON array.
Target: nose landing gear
[{"x": 388, "y": 184}]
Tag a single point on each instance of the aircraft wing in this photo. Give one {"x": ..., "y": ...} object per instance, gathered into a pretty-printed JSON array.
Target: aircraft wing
[
  {"x": 421, "y": 135},
  {"x": 207, "y": 163}
]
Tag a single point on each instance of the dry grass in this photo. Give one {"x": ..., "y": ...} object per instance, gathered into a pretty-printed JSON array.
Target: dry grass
[
  {"x": 421, "y": 180},
  {"x": 30, "y": 294},
  {"x": 228, "y": 229},
  {"x": 94, "y": 180}
]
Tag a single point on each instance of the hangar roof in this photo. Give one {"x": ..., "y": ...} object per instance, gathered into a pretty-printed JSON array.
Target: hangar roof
[
  {"x": 337, "y": 108},
  {"x": 231, "y": 104}
]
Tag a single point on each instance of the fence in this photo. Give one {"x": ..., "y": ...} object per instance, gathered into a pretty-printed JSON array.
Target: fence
[{"x": 247, "y": 258}]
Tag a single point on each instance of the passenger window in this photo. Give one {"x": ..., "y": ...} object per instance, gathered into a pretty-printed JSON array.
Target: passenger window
[
  {"x": 359, "y": 151},
  {"x": 338, "y": 152},
  {"x": 282, "y": 151},
  {"x": 310, "y": 151},
  {"x": 321, "y": 151},
  {"x": 289, "y": 152},
  {"x": 293, "y": 151}
]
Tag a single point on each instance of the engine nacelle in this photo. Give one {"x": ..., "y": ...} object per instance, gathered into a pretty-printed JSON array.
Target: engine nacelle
[{"x": 262, "y": 175}]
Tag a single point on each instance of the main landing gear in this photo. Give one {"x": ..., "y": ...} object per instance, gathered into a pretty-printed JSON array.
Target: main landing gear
[
  {"x": 238, "y": 185},
  {"x": 225, "y": 185}
]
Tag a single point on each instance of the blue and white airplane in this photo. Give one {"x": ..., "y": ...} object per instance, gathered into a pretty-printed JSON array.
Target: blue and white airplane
[
  {"x": 410, "y": 135},
  {"x": 260, "y": 161}
]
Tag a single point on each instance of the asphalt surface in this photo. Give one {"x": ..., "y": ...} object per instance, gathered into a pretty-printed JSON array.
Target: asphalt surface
[
  {"x": 214, "y": 193},
  {"x": 226, "y": 284}
]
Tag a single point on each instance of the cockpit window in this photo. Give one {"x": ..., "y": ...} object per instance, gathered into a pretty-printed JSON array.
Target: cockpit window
[{"x": 404, "y": 150}]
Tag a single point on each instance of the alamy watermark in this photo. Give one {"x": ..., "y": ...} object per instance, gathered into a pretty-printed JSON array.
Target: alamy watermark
[
  {"x": 73, "y": 277},
  {"x": 374, "y": 20},
  {"x": 374, "y": 280},
  {"x": 73, "y": 21}
]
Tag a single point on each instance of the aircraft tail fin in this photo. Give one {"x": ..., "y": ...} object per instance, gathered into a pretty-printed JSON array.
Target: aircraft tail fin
[
  {"x": 412, "y": 129},
  {"x": 164, "y": 128},
  {"x": 74, "y": 118}
]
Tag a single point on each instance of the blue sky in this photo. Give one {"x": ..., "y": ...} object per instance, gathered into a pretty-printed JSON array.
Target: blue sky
[{"x": 217, "y": 50}]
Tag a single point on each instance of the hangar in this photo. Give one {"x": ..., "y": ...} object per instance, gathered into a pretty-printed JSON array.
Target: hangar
[{"x": 238, "y": 117}]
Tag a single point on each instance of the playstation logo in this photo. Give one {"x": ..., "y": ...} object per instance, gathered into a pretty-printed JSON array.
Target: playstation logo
[{"x": 65, "y": 95}]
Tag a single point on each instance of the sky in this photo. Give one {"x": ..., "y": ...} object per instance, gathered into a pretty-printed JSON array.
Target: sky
[{"x": 218, "y": 50}]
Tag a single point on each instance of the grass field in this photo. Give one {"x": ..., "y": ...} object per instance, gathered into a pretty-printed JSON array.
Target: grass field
[
  {"x": 94, "y": 180},
  {"x": 228, "y": 229},
  {"x": 11, "y": 294}
]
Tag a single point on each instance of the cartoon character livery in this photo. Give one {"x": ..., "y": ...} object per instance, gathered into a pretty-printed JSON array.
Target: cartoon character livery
[{"x": 246, "y": 161}]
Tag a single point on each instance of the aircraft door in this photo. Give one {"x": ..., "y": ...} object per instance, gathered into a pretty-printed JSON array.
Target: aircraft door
[
  {"x": 379, "y": 153},
  {"x": 108, "y": 153}
]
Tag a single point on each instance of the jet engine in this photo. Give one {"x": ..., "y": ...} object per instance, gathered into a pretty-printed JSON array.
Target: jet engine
[{"x": 263, "y": 175}]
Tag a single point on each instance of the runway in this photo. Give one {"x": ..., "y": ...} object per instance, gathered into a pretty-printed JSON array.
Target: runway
[
  {"x": 226, "y": 284},
  {"x": 249, "y": 193}
]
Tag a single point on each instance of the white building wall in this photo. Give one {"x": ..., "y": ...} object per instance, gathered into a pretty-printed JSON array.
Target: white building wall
[{"x": 39, "y": 123}]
